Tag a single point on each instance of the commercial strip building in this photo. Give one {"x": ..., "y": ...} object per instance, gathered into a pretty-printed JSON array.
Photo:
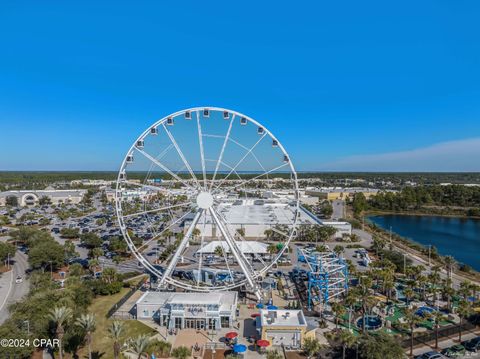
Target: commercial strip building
[
  {"x": 340, "y": 193},
  {"x": 284, "y": 327},
  {"x": 30, "y": 198},
  {"x": 255, "y": 216},
  {"x": 202, "y": 311}
]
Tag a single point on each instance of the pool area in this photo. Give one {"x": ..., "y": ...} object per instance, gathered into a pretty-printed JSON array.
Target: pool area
[
  {"x": 372, "y": 322},
  {"x": 424, "y": 311}
]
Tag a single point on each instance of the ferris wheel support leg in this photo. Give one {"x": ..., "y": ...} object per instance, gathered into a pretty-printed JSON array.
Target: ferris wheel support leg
[
  {"x": 237, "y": 254},
  {"x": 180, "y": 249}
]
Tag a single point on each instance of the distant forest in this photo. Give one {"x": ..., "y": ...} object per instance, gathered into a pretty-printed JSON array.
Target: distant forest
[{"x": 34, "y": 180}]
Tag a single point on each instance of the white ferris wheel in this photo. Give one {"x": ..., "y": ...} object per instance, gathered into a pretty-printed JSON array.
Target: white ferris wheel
[{"x": 207, "y": 200}]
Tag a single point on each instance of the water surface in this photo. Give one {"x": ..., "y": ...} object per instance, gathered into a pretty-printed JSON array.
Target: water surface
[{"x": 458, "y": 237}]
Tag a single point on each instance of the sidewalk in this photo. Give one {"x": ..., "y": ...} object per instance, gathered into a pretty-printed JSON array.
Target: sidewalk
[{"x": 442, "y": 344}]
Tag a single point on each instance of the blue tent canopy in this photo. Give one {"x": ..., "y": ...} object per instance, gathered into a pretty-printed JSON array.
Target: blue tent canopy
[
  {"x": 239, "y": 348},
  {"x": 259, "y": 305},
  {"x": 272, "y": 307}
]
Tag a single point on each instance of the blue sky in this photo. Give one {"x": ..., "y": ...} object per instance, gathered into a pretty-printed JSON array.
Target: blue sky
[{"x": 347, "y": 85}]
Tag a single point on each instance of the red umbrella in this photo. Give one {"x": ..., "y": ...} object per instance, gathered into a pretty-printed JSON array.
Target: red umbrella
[
  {"x": 263, "y": 343},
  {"x": 254, "y": 315},
  {"x": 231, "y": 335}
]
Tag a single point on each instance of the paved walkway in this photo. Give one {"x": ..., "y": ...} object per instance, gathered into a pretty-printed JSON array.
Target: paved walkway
[{"x": 448, "y": 343}]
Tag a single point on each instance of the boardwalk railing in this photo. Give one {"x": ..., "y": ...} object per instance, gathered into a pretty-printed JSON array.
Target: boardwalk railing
[
  {"x": 426, "y": 338},
  {"x": 122, "y": 301}
]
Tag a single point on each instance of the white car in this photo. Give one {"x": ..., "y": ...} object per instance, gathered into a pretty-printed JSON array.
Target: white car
[{"x": 19, "y": 280}]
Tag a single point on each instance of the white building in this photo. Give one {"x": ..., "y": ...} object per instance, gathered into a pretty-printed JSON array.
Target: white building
[
  {"x": 30, "y": 198},
  {"x": 202, "y": 311},
  {"x": 255, "y": 216},
  {"x": 283, "y": 327}
]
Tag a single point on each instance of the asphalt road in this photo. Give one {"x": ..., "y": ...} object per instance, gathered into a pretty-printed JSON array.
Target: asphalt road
[
  {"x": 15, "y": 291},
  {"x": 338, "y": 209}
]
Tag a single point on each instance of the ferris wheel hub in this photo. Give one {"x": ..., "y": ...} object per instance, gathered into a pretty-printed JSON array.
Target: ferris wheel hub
[{"x": 205, "y": 200}]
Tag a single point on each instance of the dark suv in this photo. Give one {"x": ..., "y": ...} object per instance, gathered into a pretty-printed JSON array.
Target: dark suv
[{"x": 473, "y": 345}]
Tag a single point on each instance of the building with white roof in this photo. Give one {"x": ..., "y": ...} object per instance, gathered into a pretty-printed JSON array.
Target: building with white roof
[
  {"x": 255, "y": 216},
  {"x": 200, "y": 311},
  {"x": 286, "y": 327}
]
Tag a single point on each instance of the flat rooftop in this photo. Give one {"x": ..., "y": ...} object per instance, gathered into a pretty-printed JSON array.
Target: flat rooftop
[
  {"x": 282, "y": 318},
  {"x": 255, "y": 211},
  {"x": 226, "y": 300}
]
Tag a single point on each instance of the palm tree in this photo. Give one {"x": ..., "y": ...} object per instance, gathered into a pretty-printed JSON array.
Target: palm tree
[
  {"x": 464, "y": 311},
  {"x": 347, "y": 339},
  {"x": 218, "y": 251},
  {"x": 138, "y": 345},
  {"x": 60, "y": 315},
  {"x": 437, "y": 317},
  {"x": 338, "y": 249},
  {"x": 449, "y": 262},
  {"x": 115, "y": 332},
  {"x": 408, "y": 294},
  {"x": 339, "y": 310},
  {"x": 412, "y": 319},
  {"x": 87, "y": 323}
]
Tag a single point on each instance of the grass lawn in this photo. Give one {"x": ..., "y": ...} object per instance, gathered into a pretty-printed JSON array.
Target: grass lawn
[{"x": 102, "y": 344}]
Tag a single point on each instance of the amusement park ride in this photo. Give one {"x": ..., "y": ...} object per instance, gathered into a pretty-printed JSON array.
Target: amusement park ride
[{"x": 192, "y": 165}]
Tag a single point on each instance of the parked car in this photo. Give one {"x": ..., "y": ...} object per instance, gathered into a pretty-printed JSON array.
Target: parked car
[
  {"x": 473, "y": 345},
  {"x": 430, "y": 355},
  {"x": 454, "y": 351}
]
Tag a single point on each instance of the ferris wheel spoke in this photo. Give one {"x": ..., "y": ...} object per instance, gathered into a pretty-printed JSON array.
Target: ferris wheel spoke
[
  {"x": 220, "y": 157},
  {"x": 241, "y": 160},
  {"x": 181, "y": 248},
  {"x": 165, "y": 168},
  {"x": 202, "y": 154},
  {"x": 246, "y": 148},
  {"x": 237, "y": 253},
  {"x": 257, "y": 177},
  {"x": 180, "y": 153},
  {"x": 158, "y": 209},
  {"x": 200, "y": 260},
  {"x": 165, "y": 229},
  {"x": 143, "y": 185}
]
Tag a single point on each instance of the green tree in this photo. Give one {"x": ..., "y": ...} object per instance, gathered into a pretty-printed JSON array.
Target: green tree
[
  {"x": 347, "y": 339},
  {"x": 338, "y": 310},
  {"x": 464, "y": 311},
  {"x": 11, "y": 201},
  {"x": 359, "y": 203},
  {"x": 115, "y": 332},
  {"x": 91, "y": 240},
  {"x": 59, "y": 316},
  {"x": 311, "y": 347},
  {"x": 70, "y": 233},
  {"x": 138, "y": 345},
  {"x": 87, "y": 323},
  {"x": 44, "y": 200},
  {"x": 6, "y": 250},
  {"x": 45, "y": 253},
  {"x": 380, "y": 346},
  {"x": 181, "y": 352},
  {"x": 412, "y": 319},
  {"x": 274, "y": 354}
]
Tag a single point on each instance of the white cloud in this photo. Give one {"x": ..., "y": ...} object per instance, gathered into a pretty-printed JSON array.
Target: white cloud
[{"x": 452, "y": 156}]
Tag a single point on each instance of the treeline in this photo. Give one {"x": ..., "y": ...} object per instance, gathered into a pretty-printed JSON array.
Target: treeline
[
  {"x": 423, "y": 198},
  {"x": 36, "y": 178}
]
